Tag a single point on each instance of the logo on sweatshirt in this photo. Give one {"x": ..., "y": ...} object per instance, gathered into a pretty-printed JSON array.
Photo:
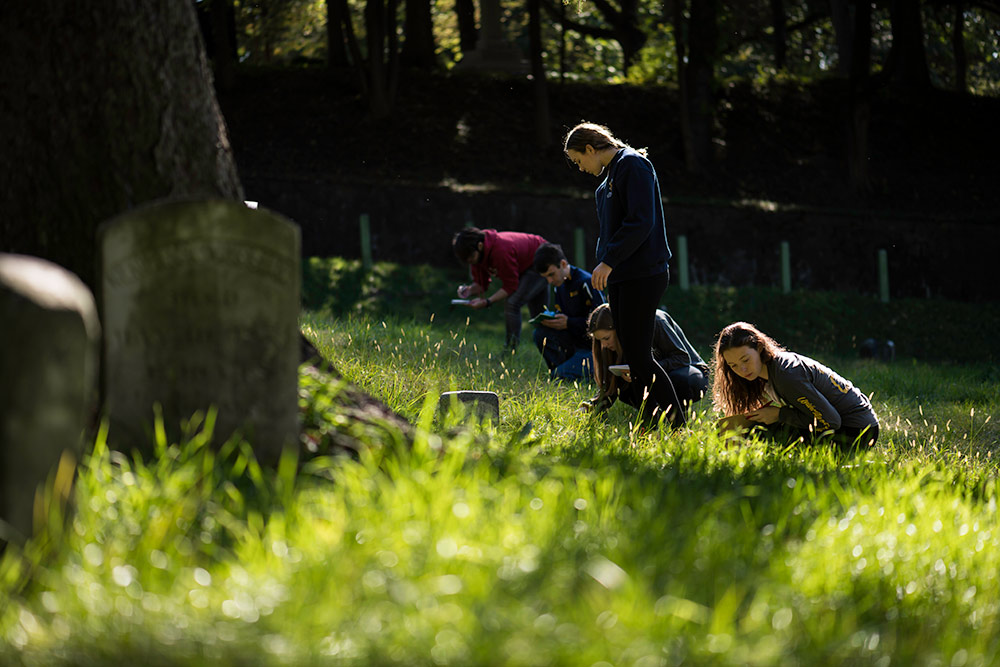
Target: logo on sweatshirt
[
  {"x": 815, "y": 413},
  {"x": 841, "y": 387}
]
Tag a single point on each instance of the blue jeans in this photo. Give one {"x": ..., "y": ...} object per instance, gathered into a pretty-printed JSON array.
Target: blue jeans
[{"x": 565, "y": 360}]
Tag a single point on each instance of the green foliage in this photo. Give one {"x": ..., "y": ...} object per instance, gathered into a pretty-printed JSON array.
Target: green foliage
[
  {"x": 341, "y": 286},
  {"x": 551, "y": 537},
  {"x": 290, "y": 32}
]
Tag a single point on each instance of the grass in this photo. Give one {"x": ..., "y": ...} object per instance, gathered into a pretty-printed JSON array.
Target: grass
[{"x": 551, "y": 537}]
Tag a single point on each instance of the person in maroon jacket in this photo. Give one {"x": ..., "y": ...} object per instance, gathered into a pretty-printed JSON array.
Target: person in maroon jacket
[{"x": 508, "y": 256}]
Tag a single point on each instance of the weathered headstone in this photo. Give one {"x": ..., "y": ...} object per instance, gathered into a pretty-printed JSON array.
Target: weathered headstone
[
  {"x": 480, "y": 404},
  {"x": 49, "y": 343},
  {"x": 200, "y": 301}
]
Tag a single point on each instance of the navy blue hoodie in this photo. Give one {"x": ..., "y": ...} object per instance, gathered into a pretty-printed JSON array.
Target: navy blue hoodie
[{"x": 633, "y": 234}]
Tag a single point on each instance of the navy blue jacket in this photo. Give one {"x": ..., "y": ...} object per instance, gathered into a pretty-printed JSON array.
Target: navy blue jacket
[
  {"x": 576, "y": 298},
  {"x": 633, "y": 234}
]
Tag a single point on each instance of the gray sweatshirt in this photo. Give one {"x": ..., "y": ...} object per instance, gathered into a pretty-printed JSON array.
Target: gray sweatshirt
[
  {"x": 671, "y": 347},
  {"x": 814, "y": 394}
]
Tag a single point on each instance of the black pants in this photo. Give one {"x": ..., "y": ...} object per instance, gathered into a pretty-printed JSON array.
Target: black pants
[
  {"x": 845, "y": 439},
  {"x": 633, "y": 308},
  {"x": 689, "y": 384},
  {"x": 531, "y": 291}
]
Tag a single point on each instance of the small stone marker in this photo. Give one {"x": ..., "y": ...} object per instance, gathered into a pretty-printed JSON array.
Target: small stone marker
[
  {"x": 201, "y": 303},
  {"x": 482, "y": 404},
  {"x": 49, "y": 343}
]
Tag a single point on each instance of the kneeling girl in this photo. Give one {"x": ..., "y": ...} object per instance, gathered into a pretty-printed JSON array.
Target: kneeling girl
[
  {"x": 792, "y": 395},
  {"x": 686, "y": 371}
]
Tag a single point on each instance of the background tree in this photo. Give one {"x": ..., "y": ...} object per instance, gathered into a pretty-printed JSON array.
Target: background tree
[
  {"x": 697, "y": 107},
  {"x": 543, "y": 133},
  {"x": 418, "y": 35},
  {"x": 465, "y": 14},
  {"x": 383, "y": 55},
  {"x": 907, "y": 65},
  {"x": 619, "y": 23},
  {"x": 338, "y": 44},
  {"x": 103, "y": 108},
  {"x": 779, "y": 37}
]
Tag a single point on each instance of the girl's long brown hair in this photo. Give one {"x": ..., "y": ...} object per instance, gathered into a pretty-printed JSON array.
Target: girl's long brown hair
[
  {"x": 607, "y": 382},
  {"x": 732, "y": 394}
]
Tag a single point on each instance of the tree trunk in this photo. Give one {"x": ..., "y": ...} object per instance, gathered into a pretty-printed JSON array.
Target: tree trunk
[
  {"x": 352, "y": 45},
  {"x": 378, "y": 77},
  {"x": 543, "y": 134},
  {"x": 418, "y": 43},
  {"x": 907, "y": 66},
  {"x": 628, "y": 33},
  {"x": 780, "y": 39},
  {"x": 465, "y": 12},
  {"x": 562, "y": 42},
  {"x": 119, "y": 111},
  {"x": 336, "y": 39},
  {"x": 958, "y": 47},
  {"x": 680, "y": 47},
  {"x": 702, "y": 46},
  {"x": 843, "y": 28}
]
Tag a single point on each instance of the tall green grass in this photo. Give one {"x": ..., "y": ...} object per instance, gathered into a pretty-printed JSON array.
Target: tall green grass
[{"x": 550, "y": 537}]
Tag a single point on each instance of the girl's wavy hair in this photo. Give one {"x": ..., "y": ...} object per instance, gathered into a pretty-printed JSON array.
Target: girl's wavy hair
[
  {"x": 731, "y": 393},
  {"x": 595, "y": 135},
  {"x": 607, "y": 382}
]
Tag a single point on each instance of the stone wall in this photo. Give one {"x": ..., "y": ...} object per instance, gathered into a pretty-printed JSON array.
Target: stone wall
[{"x": 728, "y": 245}]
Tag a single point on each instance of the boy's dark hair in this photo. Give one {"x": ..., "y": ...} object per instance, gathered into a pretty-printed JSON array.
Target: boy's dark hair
[
  {"x": 548, "y": 254},
  {"x": 466, "y": 242}
]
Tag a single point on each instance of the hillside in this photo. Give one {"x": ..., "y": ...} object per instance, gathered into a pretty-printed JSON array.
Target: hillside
[{"x": 783, "y": 144}]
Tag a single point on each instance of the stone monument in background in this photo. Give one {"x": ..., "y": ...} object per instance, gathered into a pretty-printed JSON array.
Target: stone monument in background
[
  {"x": 493, "y": 53},
  {"x": 49, "y": 344},
  {"x": 200, "y": 302}
]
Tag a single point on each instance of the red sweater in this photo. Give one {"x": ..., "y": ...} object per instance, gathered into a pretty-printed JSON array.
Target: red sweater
[{"x": 505, "y": 255}]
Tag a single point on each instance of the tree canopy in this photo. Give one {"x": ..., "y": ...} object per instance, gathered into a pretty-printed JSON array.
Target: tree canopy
[{"x": 636, "y": 41}]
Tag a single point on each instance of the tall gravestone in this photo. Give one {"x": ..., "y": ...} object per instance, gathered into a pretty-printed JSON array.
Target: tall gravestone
[
  {"x": 200, "y": 301},
  {"x": 49, "y": 342}
]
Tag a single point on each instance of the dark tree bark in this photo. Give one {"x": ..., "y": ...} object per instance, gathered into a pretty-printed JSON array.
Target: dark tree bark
[
  {"x": 843, "y": 29},
  {"x": 958, "y": 48},
  {"x": 465, "y": 12},
  {"x": 543, "y": 133},
  {"x": 103, "y": 106},
  {"x": 418, "y": 32},
  {"x": 383, "y": 56},
  {"x": 378, "y": 76},
  {"x": 676, "y": 12},
  {"x": 907, "y": 66},
  {"x": 352, "y": 44},
  {"x": 562, "y": 41},
  {"x": 780, "y": 37},
  {"x": 700, "y": 80},
  {"x": 337, "y": 46}
]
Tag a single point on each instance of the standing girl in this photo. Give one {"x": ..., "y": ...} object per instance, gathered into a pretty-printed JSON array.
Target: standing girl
[
  {"x": 794, "y": 396},
  {"x": 632, "y": 252}
]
